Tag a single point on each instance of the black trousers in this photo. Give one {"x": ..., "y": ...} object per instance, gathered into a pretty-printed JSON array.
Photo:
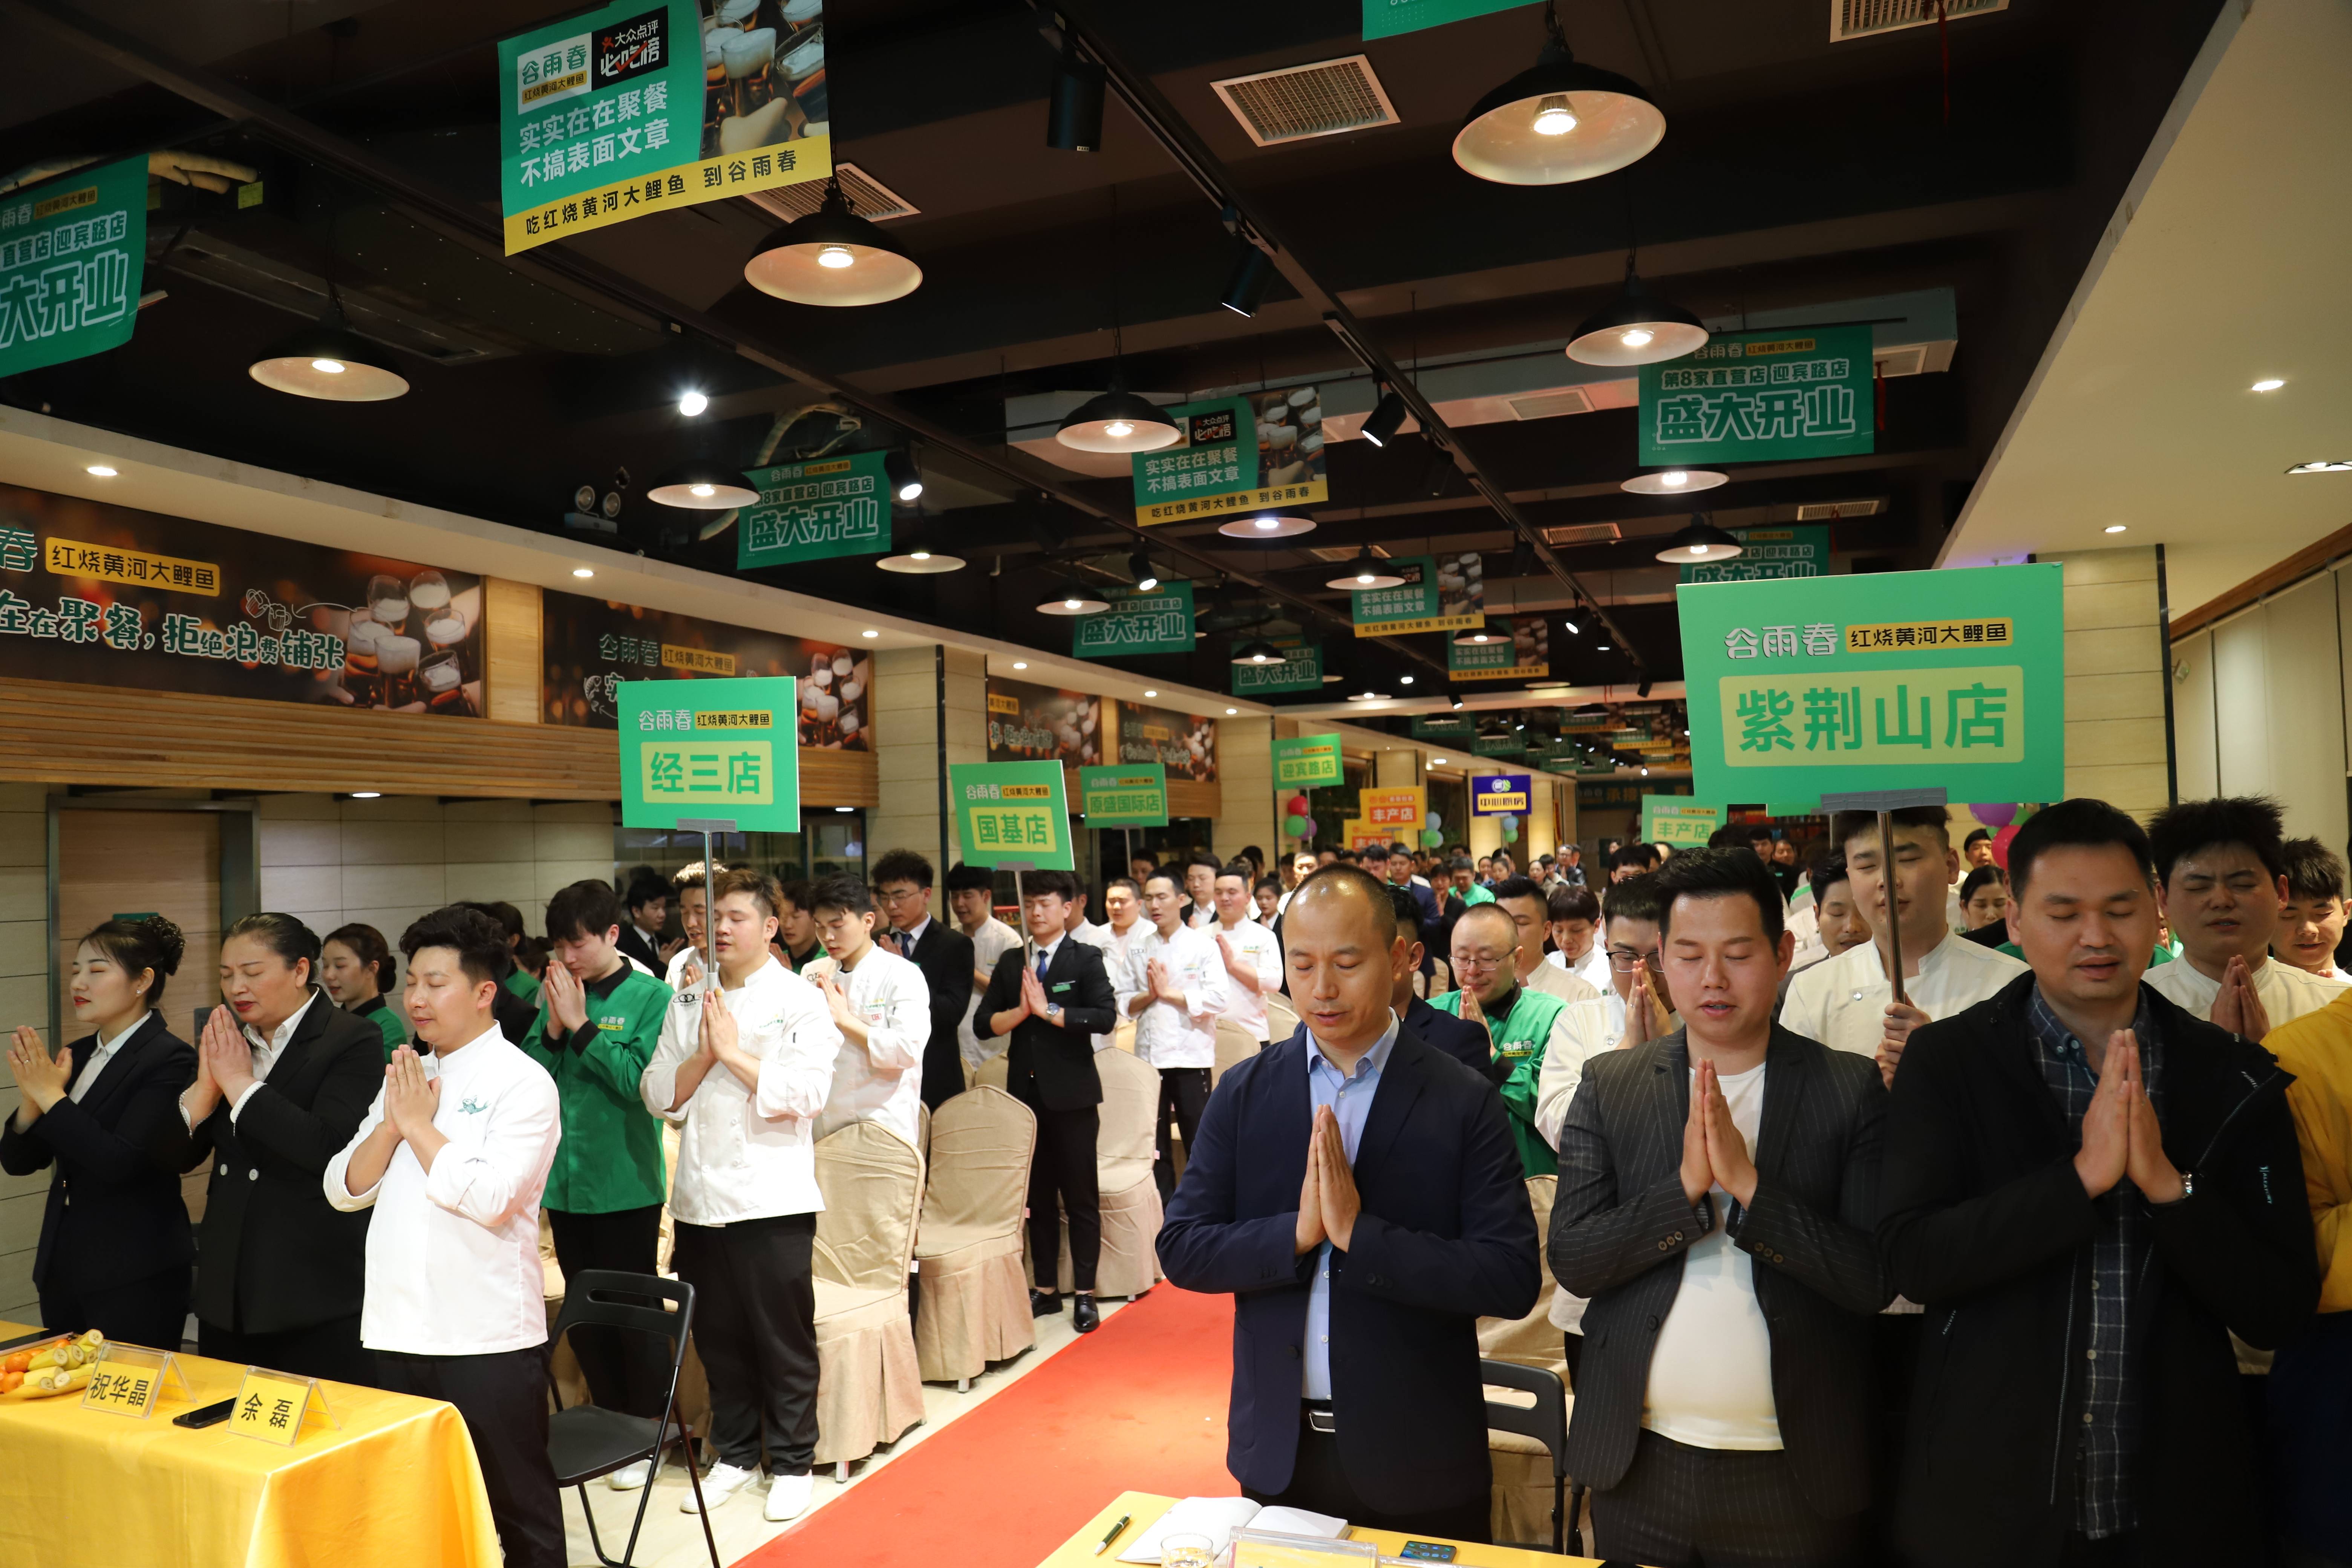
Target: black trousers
[
  {"x": 2107, "y": 1552},
  {"x": 1062, "y": 1180},
  {"x": 1680, "y": 1507},
  {"x": 1319, "y": 1485},
  {"x": 942, "y": 1070},
  {"x": 1895, "y": 1350},
  {"x": 153, "y": 1311},
  {"x": 503, "y": 1397},
  {"x": 1572, "y": 1347},
  {"x": 627, "y": 1370},
  {"x": 330, "y": 1349},
  {"x": 755, "y": 1324},
  {"x": 1184, "y": 1092}
]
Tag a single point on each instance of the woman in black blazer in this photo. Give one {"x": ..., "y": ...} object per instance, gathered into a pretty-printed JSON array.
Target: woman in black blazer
[{"x": 116, "y": 1248}]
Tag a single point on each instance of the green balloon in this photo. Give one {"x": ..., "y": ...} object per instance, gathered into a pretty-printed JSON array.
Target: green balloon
[
  {"x": 1295, "y": 826},
  {"x": 1510, "y": 832},
  {"x": 1430, "y": 838}
]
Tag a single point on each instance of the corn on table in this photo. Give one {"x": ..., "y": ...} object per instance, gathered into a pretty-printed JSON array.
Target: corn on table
[{"x": 394, "y": 1484}]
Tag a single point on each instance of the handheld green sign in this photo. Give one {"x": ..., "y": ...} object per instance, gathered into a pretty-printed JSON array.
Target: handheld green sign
[
  {"x": 1308, "y": 760},
  {"x": 696, "y": 751},
  {"x": 1675, "y": 820},
  {"x": 1130, "y": 794},
  {"x": 1013, "y": 814}
]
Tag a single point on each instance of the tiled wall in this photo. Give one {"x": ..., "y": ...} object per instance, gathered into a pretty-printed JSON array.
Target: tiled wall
[{"x": 24, "y": 999}]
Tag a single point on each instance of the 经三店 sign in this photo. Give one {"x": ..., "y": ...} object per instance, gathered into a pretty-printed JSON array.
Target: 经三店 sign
[
  {"x": 1755, "y": 397},
  {"x": 716, "y": 749},
  {"x": 1236, "y": 454},
  {"x": 1676, "y": 820},
  {"x": 816, "y": 510},
  {"x": 1133, "y": 794},
  {"x": 1301, "y": 670},
  {"x": 1307, "y": 761},
  {"x": 1156, "y": 620},
  {"x": 638, "y": 108},
  {"x": 1398, "y": 808},
  {"x": 1447, "y": 595},
  {"x": 1500, "y": 795},
  {"x": 1951, "y": 680},
  {"x": 1518, "y": 647},
  {"x": 1012, "y": 812},
  {"x": 1387, "y": 19},
  {"x": 1768, "y": 553},
  {"x": 72, "y": 250}
]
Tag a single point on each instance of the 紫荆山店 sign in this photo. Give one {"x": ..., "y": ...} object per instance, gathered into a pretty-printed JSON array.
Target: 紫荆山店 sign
[
  {"x": 1236, "y": 454},
  {"x": 1158, "y": 620},
  {"x": 638, "y": 108},
  {"x": 1952, "y": 680},
  {"x": 71, "y": 252},
  {"x": 722, "y": 750},
  {"x": 1755, "y": 397},
  {"x": 816, "y": 510}
]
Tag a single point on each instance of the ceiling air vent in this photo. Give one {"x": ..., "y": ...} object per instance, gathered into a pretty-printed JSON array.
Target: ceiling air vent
[
  {"x": 869, "y": 198},
  {"x": 1544, "y": 404},
  {"x": 1328, "y": 97},
  {"x": 1584, "y": 534},
  {"x": 1868, "y": 18},
  {"x": 1835, "y": 511}
]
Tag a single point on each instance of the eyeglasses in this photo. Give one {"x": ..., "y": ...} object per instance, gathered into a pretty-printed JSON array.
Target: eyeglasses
[
  {"x": 1478, "y": 962},
  {"x": 1627, "y": 963}
]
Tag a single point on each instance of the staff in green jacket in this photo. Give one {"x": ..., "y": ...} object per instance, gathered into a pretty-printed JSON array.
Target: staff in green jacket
[
  {"x": 600, "y": 1020},
  {"x": 1519, "y": 1021},
  {"x": 356, "y": 966}
]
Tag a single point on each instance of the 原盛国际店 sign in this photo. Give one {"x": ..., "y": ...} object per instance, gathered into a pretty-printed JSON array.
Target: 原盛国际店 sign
[
  {"x": 637, "y": 108},
  {"x": 1012, "y": 814},
  {"x": 816, "y": 510},
  {"x": 1951, "y": 680},
  {"x": 1129, "y": 795},
  {"x": 719, "y": 750},
  {"x": 72, "y": 250},
  {"x": 1759, "y": 397}
]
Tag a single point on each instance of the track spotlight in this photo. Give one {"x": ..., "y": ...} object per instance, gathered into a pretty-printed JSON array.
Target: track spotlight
[
  {"x": 906, "y": 479},
  {"x": 1074, "y": 103},
  {"x": 1246, "y": 285},
  {"x": 1139, "y": 563},
  {"x": 1385, "y": 420}
]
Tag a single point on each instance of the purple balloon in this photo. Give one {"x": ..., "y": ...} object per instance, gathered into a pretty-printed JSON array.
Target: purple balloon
[{"x": 1997, "y": 816}]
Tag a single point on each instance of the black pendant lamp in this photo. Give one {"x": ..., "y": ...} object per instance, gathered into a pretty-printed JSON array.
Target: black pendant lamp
[
  {"x": 328, "y": 361},
  {"x": 1700, "y": 544},
  {"x": 1259, "y": 652},
  {"x": 1366, "y": 573},
  {"x": 1476, "y": 636},
  {"x": 1558, "y": 121},
  {"x": 1636, "y": 328},
  {"x": 833, "y": 257},
  {"x": 1118, "y": 421},
  {"x": 703, "y": 483}
]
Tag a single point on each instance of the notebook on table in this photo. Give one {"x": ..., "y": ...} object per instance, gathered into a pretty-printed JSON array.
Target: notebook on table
[{"x": 1218, "y": 1518}]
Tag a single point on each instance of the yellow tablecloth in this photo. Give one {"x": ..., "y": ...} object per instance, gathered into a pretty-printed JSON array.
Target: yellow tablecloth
[
  {"x": 1145, "y": 1507},
  {"x": 397, "y": 1484}
]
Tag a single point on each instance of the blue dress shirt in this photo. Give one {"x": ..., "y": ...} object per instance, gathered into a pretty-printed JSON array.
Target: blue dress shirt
[{"x": 1351, "y": 1100}]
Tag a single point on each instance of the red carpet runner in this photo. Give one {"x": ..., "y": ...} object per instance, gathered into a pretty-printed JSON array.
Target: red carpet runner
[{"x": 1140, "y": 1405}]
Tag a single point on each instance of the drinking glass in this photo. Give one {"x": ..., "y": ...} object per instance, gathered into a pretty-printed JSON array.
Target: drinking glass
[
  {"x": 387, "y": 602},
  {"x": 1186, "y": 1552}
]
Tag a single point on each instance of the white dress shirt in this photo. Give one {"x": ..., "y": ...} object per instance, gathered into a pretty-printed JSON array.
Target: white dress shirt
[
  {"x": 1554, "y": 981},
  {"x": 881, "y": 1081},
  {"x": 1198, "y": 917},
  {"x": 992, "y": 942},
  {"x": 1841, "y": 1002},
  {"x": 453, "y": 1254},
  {"x": 1166, "y": 1034},
  {"x": 745, "y": 1154},
  {"x": 2286, "y": 992},
  {"x": 103, "y": 1053},
  {"x": 1255, "y": 947},
  {"x": 1584, "y": 1030}
]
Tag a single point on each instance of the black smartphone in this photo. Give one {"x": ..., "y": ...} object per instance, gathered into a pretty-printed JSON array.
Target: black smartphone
[
  {"x": 1427, "y": 1551},
  {"x": 205, "y": 1415}
]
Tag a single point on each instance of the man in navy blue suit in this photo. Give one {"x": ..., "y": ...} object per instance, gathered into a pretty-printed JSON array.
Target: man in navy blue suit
[{"x": 1357, "y": 1193}]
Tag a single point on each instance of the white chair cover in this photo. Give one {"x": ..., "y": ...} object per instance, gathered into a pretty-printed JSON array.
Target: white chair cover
[
  {"x": 1281, "y": 1018},
  {"x": 974, "y": 1307},
  {"x": 1129, "y": 1198},
  {"x": 869, "y": 1385},
  {"x": 1235, "y": 1046}
]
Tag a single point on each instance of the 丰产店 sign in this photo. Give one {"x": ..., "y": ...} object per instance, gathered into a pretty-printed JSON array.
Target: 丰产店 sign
[
  {"x": 1675, "y": 820},
  {"x": 1447, "y": 594},
  {"x": 1500, "y": 795},
  {"x": 1158, "y": 620},
  {"x": 722, "y": 749},
  {"x": 1519, "y": 647},
  {"x": 1236, "y": 454},
  {"x": 1952, "y": 680},
  {"x": 638, "y": 108},
  {"x": 816, "y": 510},
  {"x": 1768, "y": 553},
  {"x": 72, "y": 250},
  {"x": 1758, "y": 398},
  {"x": 1397, "y": 808},
  {"x": 1131, "y": 794},
  {"x": 1012, "y": 813}
]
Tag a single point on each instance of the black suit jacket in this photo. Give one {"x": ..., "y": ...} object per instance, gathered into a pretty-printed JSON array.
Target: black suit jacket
[
  {"x": 632, "y": 945},
  {"x": 1445, "y": 1237},
  {"x": 1052, "y": 1069},
  {"x": 1619, "y": 1226},
  {"x": 271, "y": 1254},
  {"x": 1988, "y": 1227},
  {"x": 945, "y": 956},
  {"x": 114, "y": 1154},
  {"x": 1465, "y": 1041}
]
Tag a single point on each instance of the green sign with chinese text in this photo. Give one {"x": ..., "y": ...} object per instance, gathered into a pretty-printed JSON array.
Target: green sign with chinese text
[
  {"x": 1158, "y": 621},
  {"x": 1301, "y": 670},
  {"x": 1308, "y": 760},
  {"x": 816, "y": 510},
  {"x": 1768, "y": 553},
  {"x": 1430, "y": 599},
  {"x": 1128, "y": 794},
  {"x": 72, "y": 251},
  {"x": 716, "y": 749},
  {"x": 1755, "y": 397},
  {"x": 1445, "y": 727},
  {"x": 1679, "y": 821},
  {"x": 1387, "y": 19},
  {"x": 1012, "y": 812}
]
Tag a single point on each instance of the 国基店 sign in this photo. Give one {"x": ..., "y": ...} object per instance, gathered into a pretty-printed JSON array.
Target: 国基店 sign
[
  {"x": 72, "y": 250},
  {"x": 1952, "y": 680},
  {"x": 816, "y": 510},
  {"x": 1012, "y": 812},
  {"x": 1752, "y": 397}
]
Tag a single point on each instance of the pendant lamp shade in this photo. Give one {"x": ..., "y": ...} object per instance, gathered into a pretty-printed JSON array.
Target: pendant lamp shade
[
  {"x": 1259, "y": 652},
  {"x": 1118, "y": 421},
  {"x": 1637, "y": 328},
  {"x": 1366, "y": 573},
  {"x": 1075, "y": 601},
  {"x": 1476, "y": 636},
  {"x": 921, "y": 563},
  {"x": 703, "y": 484},
  {"x": 1558, "y": 121},
  {"x": 833, "y": 257},
  {"x": 1673, "y": 481},
  {"x": 1700, "y": 542},
  {"x": 328, "y": 361}
]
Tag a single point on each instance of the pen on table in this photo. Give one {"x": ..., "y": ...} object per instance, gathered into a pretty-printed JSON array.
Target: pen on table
[{"x": 1105, "y": 1544}]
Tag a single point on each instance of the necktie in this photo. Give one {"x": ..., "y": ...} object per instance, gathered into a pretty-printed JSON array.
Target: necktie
[{"x": 1043, "y": 959}]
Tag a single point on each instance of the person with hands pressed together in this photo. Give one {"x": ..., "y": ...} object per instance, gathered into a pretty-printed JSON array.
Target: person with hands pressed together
[
  {"x": 1530, "y": 912},
  {"x": 1463, "y": 1039},
  {"x": 882, "y": 1005},
  {"x": 2090, "y": 1189},
  {"x": 1716, "y": 1187},
  {"x": 1251, "y": 954},
  {"x": 1357, "y": 1193},
  {"x": 1052, "y": 998},
  {"x": 1520, "y": 1021},
  {"x": 2220, "y": 868},
  {"x": 2310, "y": 922},
  {"x": 745, "y": 1067},
  {"x": 451, "y": 1160},
  {"x": 1174, "y": 986}
]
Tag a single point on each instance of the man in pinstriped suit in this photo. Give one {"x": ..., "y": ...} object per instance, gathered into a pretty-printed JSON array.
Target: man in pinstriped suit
[{"x": 1717, "y": 1191}]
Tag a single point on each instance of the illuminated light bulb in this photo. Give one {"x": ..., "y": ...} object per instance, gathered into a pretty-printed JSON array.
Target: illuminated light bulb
[
  {"x": 836, "y": 257},
  {"x": 1119, "y": 429},
  {"x": 692, "y": 403},
  {"x": 2269, "y": 383},
  {"x": 99, "y": 471},
  {"x": 1638, "y": 338},
  {"x": 702, "y": 490},
  {"x": 1072, "y": 603},
  {"x": 1698, "y": 549},
  {"x": 921, "y": 555},
  {"x": 328, "y": 366},
  {"x": 1365, "y": 577},
  {"x": 1675, "y": 477},
  {"x": 1269, "y": 523},
  {"x": 1553, "y": 116}
]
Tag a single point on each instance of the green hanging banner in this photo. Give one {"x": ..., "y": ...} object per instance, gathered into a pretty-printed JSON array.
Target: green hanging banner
[
  {"x": 1387, "y": 19},
  {"x": 1159, "y": 621},
  {"x": 1436, "y": 596},
  {"x": 1766, "y": 554},
  {"x": 1130, "y": 794},
  {"x": 711, "y": 749},
  {"x": 72, "y": 253},
  {"x": 1519, "y": 647},
  {"x": 1301, "y": 670},
  {"x": 1445, "y": 727},
  {"x": 1012, "y": 812},
  {"x": 816, "y": 510},
  {"x": 1759, "y": 397}
]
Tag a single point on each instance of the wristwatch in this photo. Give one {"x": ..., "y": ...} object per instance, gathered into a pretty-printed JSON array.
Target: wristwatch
[{"x": 1053, "y": 1012}]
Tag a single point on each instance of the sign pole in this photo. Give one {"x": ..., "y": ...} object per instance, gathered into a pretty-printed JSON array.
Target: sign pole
[
  {"x": 706, "y": 827},
  {"x": 1885, "y": 803}
]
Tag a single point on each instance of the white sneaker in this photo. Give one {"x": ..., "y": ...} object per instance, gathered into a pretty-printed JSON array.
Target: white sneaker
[
  {"x": 788, "y": 1496},
  {"x": 629, "y": 1478},
  {"x": 719, "y": 1483}
]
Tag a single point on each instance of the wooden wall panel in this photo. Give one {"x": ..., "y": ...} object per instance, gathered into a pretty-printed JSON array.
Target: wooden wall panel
[
  {"x": 515, "y": 639},
  {"x": 1188, "y": 798}
]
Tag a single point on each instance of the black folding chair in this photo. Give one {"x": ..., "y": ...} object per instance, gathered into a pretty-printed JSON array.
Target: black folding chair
[
  {"x": 588, "y": 1441},
  {"x": 1546, "y": 1421}
]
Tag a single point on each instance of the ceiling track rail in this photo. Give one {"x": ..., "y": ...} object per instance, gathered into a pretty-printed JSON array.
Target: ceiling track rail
[
  {"x": 464, "y": 224},
  {"x": 1192, "y": 155}
]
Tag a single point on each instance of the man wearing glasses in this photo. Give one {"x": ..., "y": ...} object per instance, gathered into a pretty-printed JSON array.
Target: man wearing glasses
[
  {"x": 1520, "y": 1021},
  {"x": 902, "y": 888}
]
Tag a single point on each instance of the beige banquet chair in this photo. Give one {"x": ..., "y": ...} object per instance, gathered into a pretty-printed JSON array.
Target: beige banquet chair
[
  {"x": 974, "y": 1307},
  {"x": 1523, "y": 1476},
  {"x": 1281, "y": 1018},
  {"x": 869, "y": 1386},
  {"x": 995, "y": 1072},
  {"x": 1130, "y": 1197},
  {"x": 1235, "y": 1046}
]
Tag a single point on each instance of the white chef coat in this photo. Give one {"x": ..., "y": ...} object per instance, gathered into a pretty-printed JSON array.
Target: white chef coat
[
  {"x": 741, "y": 1154},
  {"x": 453, "y": 1262},
  {"x": 103, "y": 1053},
  {"x": 1592, "y": 968},
  {"x": 1554, "y": 981},
  {"x": 2286, "y": 992},
  {"x": 881, "y": 1081},
  {"x": 992, "y": 942},
  {"x": 1167, "y": 1035},
  {"x": 1841, "y": 1002},
  {"x": 1255, "y": 946}
]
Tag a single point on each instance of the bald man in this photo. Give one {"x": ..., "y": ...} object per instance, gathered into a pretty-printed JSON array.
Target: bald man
[
  {"x": 1362, "y": 1227},
  {"x": 1520, "y": 1020}
]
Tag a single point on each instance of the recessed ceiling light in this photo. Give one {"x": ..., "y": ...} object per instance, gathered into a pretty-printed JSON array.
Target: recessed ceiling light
[
  {"x": 367, "y": 794},
  {"x": 869, "y": 632},
  {"x": 1405, "y": 681},
  {"x": 582, "y": 572},
  {"x": 2115, "y": 527},
  {"x": 2324, "y": 466},
  {"x": 2268, "y": 383},
  {"x": 1147, "y": 693},
  {"x": 692, "y": 403},
  {"x": 1233, "y": 711},
  {"x": 1437, "y": 762},
  {"x": 845, "y": 808},
  {"x": 1020, "y": 664},
  {"x": 102, "y": 470}
]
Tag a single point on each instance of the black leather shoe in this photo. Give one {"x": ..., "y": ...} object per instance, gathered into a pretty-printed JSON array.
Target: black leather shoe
[
  {"x": 1084, "y": 1315},
  {"x": 1044, "y": 1303}
]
